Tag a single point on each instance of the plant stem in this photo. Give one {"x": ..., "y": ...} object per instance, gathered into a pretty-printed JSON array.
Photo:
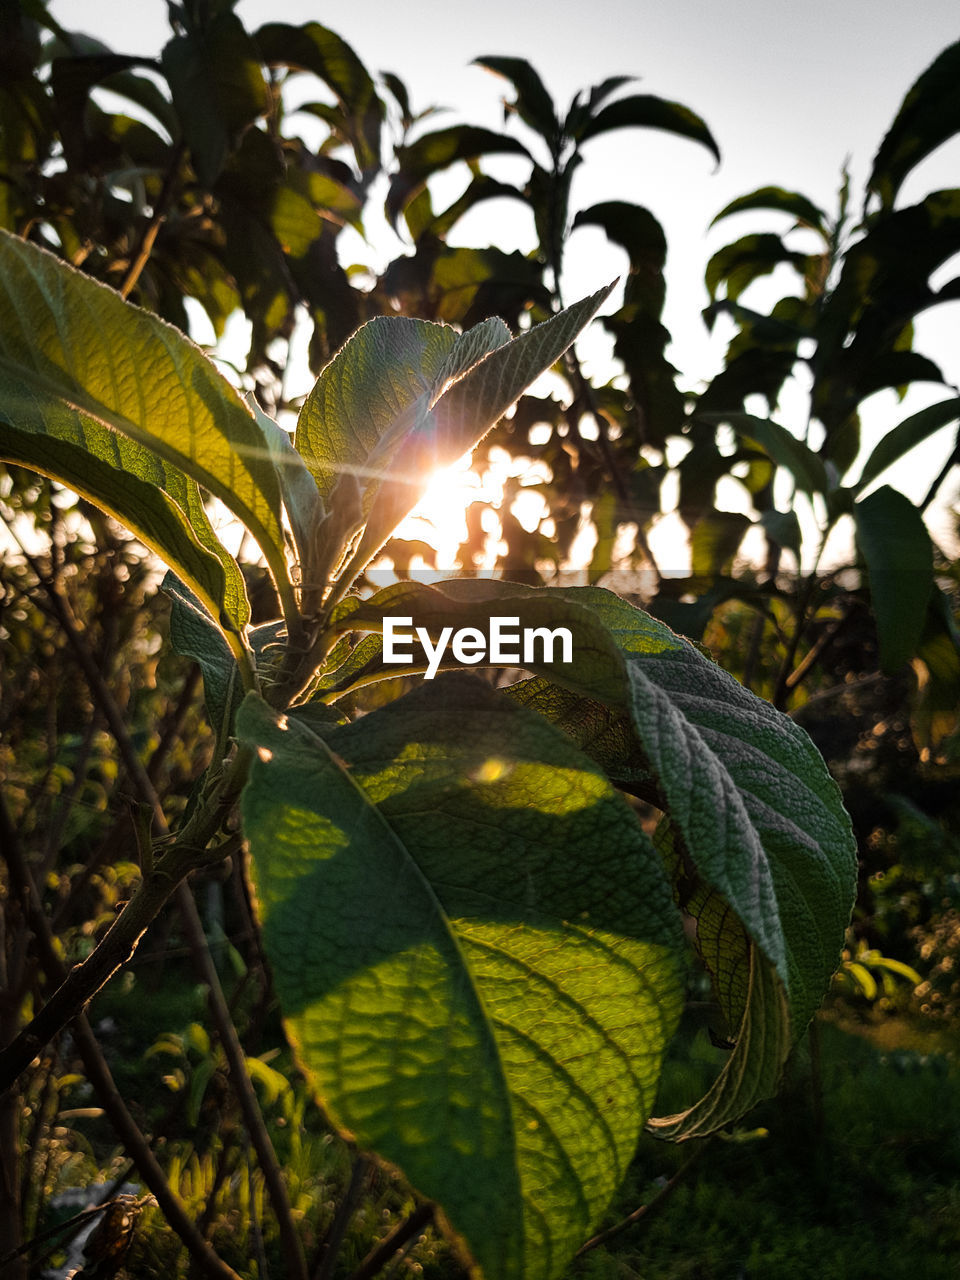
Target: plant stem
[
  {"x": 330, "y": 1247},
  {"x": 296, "y": 1266},
  {"x": 95, "y": 1065},
  {"x": 645, "y": 1211},
  {"x": 164, "y": 200}
]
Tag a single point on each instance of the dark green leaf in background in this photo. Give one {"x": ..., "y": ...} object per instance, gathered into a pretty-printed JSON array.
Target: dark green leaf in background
[{"x": 896, "y": 546}]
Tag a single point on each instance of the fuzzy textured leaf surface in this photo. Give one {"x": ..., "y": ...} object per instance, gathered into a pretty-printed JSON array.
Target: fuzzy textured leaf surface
[
  {"x": 754, "y": 811},
  {"x": 376, "y": 388},
  {"x": 78, "y": 362},
  {"x": 52, "y": 375},
  {"x": 487, "y": 1013}
]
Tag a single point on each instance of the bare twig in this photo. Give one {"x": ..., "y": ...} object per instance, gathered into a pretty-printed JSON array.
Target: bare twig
[
  {"x": 160, "y": 209},
  {"x": 645, "y": 1211},
  {"x": 296, "y": 1267},
  {"x": 330, "y": 1246}
]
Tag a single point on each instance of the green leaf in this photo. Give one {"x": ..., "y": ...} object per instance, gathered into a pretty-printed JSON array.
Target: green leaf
[
  {"x": 783, "y": 528},
  {"x": 376, "y": 388},
  {"x": 906, "y": 436},
  {"x": 928, "y": 116},
  {"x": 738, "y": 264},
  {"x": 80, "y": 364},
  {"x": 745, "y": 789},
  {"x": 637, "y": 231},
  {"x": 218, "y": 89},
  {"x": 781, "y": 201},
  {"x": 463, "y": 286},
  {"x": 715, "y": 540},
  {"x": 896, "y": 546},
  {"x": 467, "y": 410},
  {"x": 137, "y": 489},
  {"x": 581, "y": 112},
  {"x": 753, "y": 1071},
  {"x": 193, "y": 634},
  {"x": 72, "y": 78},
  {"x": 896, "y": 369},
  {"x": 315, "y": 48},
  {"x": 438, "y": 150},
  {"x": 754, "y": 371},
  {"x": 780, "y": 445},
  {"x": 533, "y": 105},
  {"x": 648, "y": 112},
  {"x": 301, "y": 497},
  {"x": 480, "y": 188},
  {"x": 883, "y": 285},
  {"x": 488, "y": 1014}
]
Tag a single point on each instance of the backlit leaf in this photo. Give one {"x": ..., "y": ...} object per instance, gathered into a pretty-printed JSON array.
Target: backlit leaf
[
  {"x": 77, "y": 359},
  {"x": 780, "y": 200},
  {"x": 482, "y": 1013},
  {"x": 533, "y": 104}
]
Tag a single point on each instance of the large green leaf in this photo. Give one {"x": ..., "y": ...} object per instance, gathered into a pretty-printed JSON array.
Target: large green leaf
[
  {"x": 158, "y": 504},
  {"x": 80, "y": 364},
  {"x": 645, "y": 111},
  {"x": 896, "y": 547},
  {"x": 467, "y": 410},
  {"x": 474, "y": 948},
  {"x": 376, "y": 388},
  {"x": 758, "y": 817},
  {"x": 928, "y": 116}
]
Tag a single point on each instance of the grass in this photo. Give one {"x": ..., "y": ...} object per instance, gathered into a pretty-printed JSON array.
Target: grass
[
  {"x": 865, "y": 1186},
  {"x": 857, "y": 1178}
]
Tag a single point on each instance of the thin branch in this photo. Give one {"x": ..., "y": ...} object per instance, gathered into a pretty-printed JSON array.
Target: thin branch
[
  {"x": 160, "y": 210},
  {"x": 296, "y": 1266},
  {"x": 240, "y": 1079},
  {"x": 95, "y": 1065},
  {"x": 645, "y": 1211},
  {"x": 330, "y": 1246}
]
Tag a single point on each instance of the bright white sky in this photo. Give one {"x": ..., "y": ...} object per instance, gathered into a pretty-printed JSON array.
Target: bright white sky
[{"x": 788, "y": 90}]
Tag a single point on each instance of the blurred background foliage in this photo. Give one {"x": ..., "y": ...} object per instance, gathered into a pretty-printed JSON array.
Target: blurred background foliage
[{"x": 212, "y": 184}]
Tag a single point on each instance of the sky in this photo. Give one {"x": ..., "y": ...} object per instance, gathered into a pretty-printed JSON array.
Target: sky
[{"x": 789, "y": 91}]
